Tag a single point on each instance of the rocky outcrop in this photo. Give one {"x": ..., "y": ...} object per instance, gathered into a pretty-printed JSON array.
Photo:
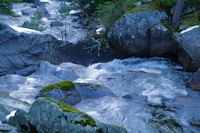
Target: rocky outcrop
[
  {"x": 84, "y": 52},
  {"x": 72, "y": 93},
  {"x": 189, "y": 47},
  {"x": 141, "y": 33},
  {"x": 20, "y": 51},
  {"x": 194, "y": 81},
  {"x": 47, "y": 115}
]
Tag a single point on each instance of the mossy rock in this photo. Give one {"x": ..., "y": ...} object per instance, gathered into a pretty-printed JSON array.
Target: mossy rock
[
  {"x": 72, "y": 93},
  {"x": 65, "y": 107},
  {"x": 64, "y": 85},
  {"x": 147, "y": 7},
  {"x": 88, "y": 121},
  {"x": 56, "y": 116}
]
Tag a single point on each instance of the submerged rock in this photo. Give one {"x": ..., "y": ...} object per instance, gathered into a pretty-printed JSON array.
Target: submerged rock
[
  {"x": 134, "y": 35},
  {"x": 47, "y": 115},
  {"x": 65, "y": 71},
  {"x": 21, "y": 49},
  {"x": 189, "y": 43},
  {"x": 72, "y": 93},
  {"x": 194, "y": 81}
]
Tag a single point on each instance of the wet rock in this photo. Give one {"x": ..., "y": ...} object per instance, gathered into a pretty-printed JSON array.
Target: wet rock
[
  {"x": 9, "y": 104},
  {"x": 131, "y": 33},
  {"x": 28, "y": 1},
  {"x": 28, "y": 11},
  {"x": 194, "y": 81},
  {"x": 5, "y": 128},
  {"x": 42, "y": 9},
  {"x": 135, "y": 97},
  {"x": 56, "y": 24},
  {"x": 189, "y": 44},
  {"x": 87, "y": 90},
  {"x": 38, "y": 2},
  {"x": 66, "y": 71},
  {"x": 162, "y": 43},
  {"x": 84, "y": 52},
  {"x": 21, "y": 49},
  {"x": 64, "y": 91},
  {"x": 48, "y": 115},
  {"x": 72, "y": 93}
]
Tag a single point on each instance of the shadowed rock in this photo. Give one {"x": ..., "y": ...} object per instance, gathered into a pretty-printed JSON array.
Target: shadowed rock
[{"x": 48, "y": 115}]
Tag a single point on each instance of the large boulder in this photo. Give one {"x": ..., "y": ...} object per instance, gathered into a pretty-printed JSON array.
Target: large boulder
[
  {"x": 161, "y": 42},
  {"x": 141, "y": 33},
  {"x": 84, "y": 52},
  {"x": 72, "y": 93},
  {"x": 50, "y": 116},
  {"x": 194, "y": 81},
  {"x": 189, "y": 44},
  {"x": 21, "y": 49}
]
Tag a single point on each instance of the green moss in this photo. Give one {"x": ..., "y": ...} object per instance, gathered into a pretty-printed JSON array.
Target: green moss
[
  {"x": 87, "y": 121},
  {"x": 90, "y": 84},
  {"x": 65, "y": 85},
  {"x": 65, "y": 107},
  {"x": 117, "y": 126},
  {"x": 156, "y": 6}
]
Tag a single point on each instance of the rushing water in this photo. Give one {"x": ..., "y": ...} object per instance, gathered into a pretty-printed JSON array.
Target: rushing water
[{"x": 150, "y": 93}]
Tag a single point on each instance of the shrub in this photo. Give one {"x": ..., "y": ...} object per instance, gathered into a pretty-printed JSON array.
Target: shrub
[
  {"x": 110, "y": 11},
  {"x": 8, "y": 1},
  {"x": 5, "y": 7},
  {"x": 171, "y": 3},
  {"x": 35, "y": 23}
]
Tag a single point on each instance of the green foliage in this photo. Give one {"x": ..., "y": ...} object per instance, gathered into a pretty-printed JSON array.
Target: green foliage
[
  {"x": 110, "y": 11},
  {"x": 166, "y": 3},
  {"x": 5, "y": 7},
  {"x": 6, "y": 1},
  {"x": 65, "y": 85},
  {"x": 36, "y": 22},
  {"x": 190, "y": 22},
  {"x": 65, "y": 107},
  {"x": 171, "y": 3}
]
